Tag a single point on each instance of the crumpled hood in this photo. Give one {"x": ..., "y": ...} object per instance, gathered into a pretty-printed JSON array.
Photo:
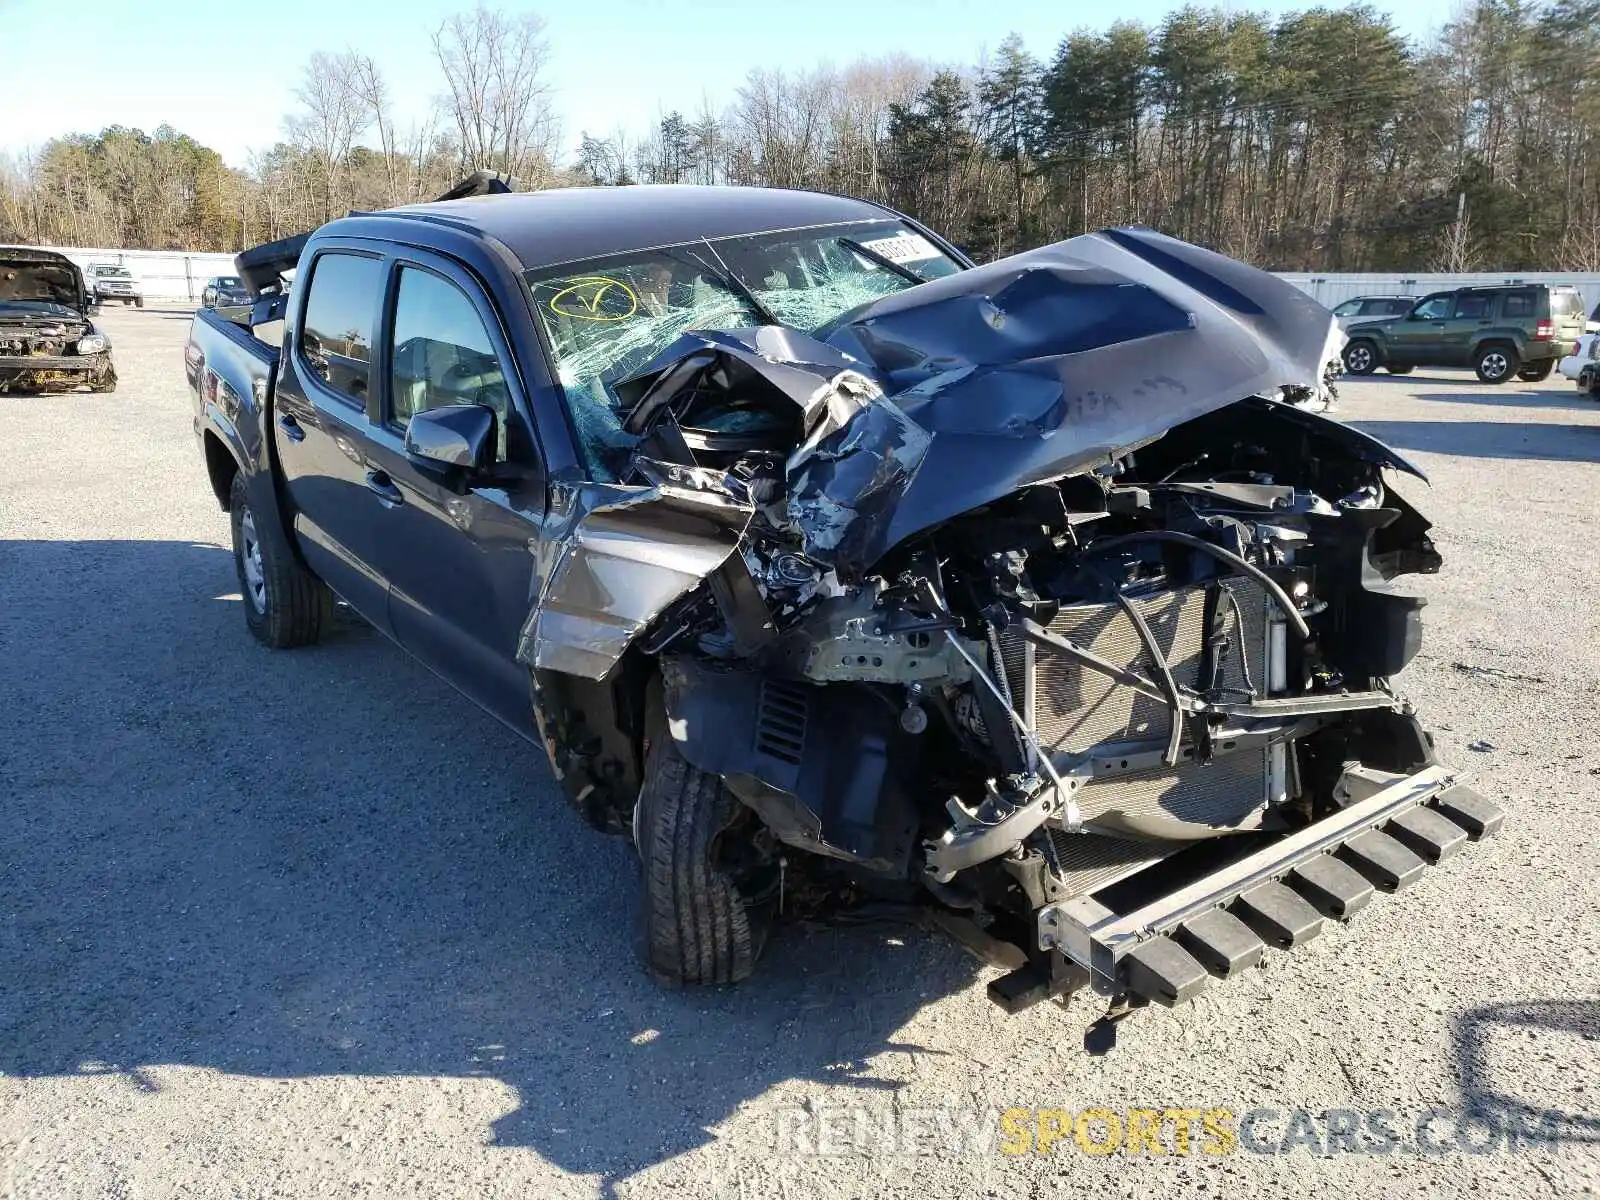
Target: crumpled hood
[
  {"x": 40, "y": 277},
  {"x": 1041, "y": 365}
]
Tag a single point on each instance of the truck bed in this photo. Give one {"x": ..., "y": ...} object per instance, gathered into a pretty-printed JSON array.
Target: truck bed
[
  {"x": 238, "y": 356},
  {"x": 231, "y": 372}
]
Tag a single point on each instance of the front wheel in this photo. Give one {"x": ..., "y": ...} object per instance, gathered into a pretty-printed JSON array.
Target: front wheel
[
  {"x": 285, "y": 605},
  {"x": 1360, "y": 358},
  {"x": 708, "y": 884},
  {"x": 139, "y": 303},
  {"x": 1538, "y": 372}
]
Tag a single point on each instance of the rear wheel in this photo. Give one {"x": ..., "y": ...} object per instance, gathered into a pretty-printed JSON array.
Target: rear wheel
[
  {"x": 707, "y": 891},
  {"x": 1360, "y": 358},
  {"x": 1537, "y": 372},
  {"x": 285, "y": 605},
  {"x": 1497, "y": 362}
]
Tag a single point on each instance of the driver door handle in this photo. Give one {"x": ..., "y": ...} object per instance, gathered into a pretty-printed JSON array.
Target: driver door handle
[{"x": 381, "y": 486}]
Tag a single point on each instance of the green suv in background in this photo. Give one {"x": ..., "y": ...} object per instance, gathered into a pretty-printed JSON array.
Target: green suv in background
[{"x": 1520, "y": 329}]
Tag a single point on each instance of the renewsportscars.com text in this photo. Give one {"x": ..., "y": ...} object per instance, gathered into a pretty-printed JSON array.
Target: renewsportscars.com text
[{"x": 1177, "y": 1131}]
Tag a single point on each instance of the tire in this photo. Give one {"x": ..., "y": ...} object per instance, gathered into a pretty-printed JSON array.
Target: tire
[
  {"x": 139, "y": 303},
  {"x": 1399, "y": 370},
  {"x": 1497, "y": 362},
  {"x": 1360, "y": 357},
  {"x": 1537, "y": 373},
  {"x": 285, "y": 605},
  {"x": 106, "y": 384},
  {"x": 698, "y": 927}
]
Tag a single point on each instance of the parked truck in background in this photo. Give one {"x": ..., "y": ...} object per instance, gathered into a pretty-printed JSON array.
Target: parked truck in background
[{"x": 108, "y": 281}]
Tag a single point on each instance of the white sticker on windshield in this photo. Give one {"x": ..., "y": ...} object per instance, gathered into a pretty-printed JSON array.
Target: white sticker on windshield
[{"x": 904, "y": 248}]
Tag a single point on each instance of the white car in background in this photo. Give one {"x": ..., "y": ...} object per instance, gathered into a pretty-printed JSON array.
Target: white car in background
[{"x": 1582, "y": 365}]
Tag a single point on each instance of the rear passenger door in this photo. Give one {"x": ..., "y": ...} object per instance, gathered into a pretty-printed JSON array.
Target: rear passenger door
[
  {"x": 321, "y": 426},
  {"x": 1473, "y": 313},
  {"x": 456, "y": 551}
]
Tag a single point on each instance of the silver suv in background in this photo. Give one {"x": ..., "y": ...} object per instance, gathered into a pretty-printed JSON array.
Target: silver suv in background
[
  {"x": 1365, "y": 307},
  {"x": 108, "y": 281}
]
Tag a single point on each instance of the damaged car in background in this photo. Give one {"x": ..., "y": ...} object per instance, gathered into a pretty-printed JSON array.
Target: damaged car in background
[
  {"x": 810, "y": 551},
  {"x": 48, "y": 341}
]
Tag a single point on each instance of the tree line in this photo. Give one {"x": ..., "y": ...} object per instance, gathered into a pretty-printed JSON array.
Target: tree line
[{"x": 1316, "y": 140}]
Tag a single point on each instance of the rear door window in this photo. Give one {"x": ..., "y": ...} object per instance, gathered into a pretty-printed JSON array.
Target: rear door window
[
  {"x": 341, "y": 311},
  {"x": 1472, "y": 306}
]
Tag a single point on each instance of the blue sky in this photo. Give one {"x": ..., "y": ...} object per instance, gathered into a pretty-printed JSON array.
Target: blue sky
[{"x": 224, "y": 73}]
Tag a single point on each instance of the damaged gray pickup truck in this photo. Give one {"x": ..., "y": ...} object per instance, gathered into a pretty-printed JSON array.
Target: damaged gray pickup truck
[{"x": 806, "y": 548}]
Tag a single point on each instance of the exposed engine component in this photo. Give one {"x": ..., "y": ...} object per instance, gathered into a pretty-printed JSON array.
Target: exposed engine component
[{"x": 854, "y": 638}]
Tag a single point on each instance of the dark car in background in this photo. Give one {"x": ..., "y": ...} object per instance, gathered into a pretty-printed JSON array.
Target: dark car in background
[
  {"x": 1360, "y": 308},
  {"x": 222, "y": 291},
  {"x": 1516, "y": 329}
]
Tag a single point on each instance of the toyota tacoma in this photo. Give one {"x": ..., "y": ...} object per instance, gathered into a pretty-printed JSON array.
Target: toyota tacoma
[
  {"x": 806, "y": 548},
  {"x": 48, "y": 341}
]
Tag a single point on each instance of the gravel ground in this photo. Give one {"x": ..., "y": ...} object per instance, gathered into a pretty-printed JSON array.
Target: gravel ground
[{"x": 308, "y": 923}]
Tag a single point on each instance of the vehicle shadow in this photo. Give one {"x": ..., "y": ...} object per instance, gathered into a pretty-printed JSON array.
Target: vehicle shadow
[
  {"x": 1554, "y": 392},
  {"x": 1483, "y": 1096},
  {"x": 1490, "y": 439},
  {"x": 324, "y": 861}
]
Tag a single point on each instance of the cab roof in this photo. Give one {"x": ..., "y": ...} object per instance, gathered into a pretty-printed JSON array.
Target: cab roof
[{"x": 563, "y": 225}]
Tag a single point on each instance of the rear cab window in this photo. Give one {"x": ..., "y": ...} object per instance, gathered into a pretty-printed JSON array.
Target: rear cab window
[{"x": 341, "y": 310}]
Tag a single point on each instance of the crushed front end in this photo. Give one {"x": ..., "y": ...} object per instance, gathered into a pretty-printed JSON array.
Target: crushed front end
[
  {"x": 1017, "y": 589},
  {"x": 47, "y": 340}
]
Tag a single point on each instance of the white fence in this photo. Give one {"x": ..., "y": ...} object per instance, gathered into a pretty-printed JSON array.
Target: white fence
[{"x": 162, "y": 274}]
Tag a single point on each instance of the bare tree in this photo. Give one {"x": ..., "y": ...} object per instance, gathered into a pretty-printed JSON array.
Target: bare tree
[
  {"x": 332, "y": 115},
  {"x": 372, "y": 90},
  {"x": 495, "y": 67}
]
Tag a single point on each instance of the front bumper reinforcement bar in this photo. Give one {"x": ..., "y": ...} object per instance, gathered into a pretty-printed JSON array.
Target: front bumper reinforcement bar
[{"x": 1169, "y": 949}]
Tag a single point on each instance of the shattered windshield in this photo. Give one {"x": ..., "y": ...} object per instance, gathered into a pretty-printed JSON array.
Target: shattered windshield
[{"x": 606, "y": 320}]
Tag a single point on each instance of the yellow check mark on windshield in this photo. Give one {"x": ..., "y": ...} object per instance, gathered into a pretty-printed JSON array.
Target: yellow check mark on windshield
[{"x": 595, "y": 298}]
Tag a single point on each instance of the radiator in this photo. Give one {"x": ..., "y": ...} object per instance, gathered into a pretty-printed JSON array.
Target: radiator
[{"x": 1074, "y": 709}]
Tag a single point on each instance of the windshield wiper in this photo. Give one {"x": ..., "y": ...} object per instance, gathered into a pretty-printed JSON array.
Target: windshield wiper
[
  {"x": 737, "y": 285},
  {"x": 882, "y": 260}
]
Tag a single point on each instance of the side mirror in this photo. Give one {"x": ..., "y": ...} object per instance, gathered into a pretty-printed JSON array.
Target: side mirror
[{"x": 455, "y": 436}]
